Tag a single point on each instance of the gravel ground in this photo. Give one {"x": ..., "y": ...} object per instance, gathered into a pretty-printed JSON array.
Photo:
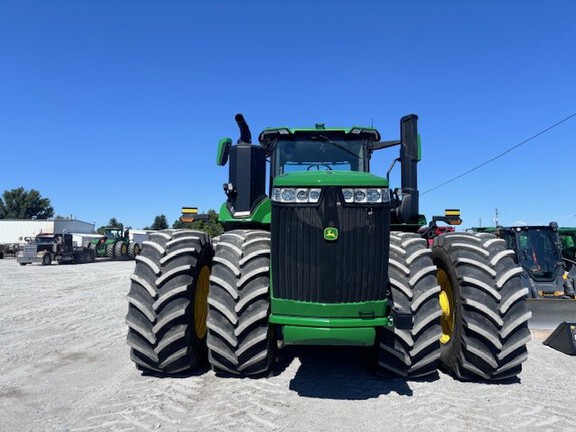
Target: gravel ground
[{"x": 65, "y": 366}]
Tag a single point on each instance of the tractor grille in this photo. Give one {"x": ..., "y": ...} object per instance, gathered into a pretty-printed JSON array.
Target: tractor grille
[{"x": 307, "y": 267}]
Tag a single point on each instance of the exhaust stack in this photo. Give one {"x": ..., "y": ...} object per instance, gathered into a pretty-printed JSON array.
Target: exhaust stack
[
  {"x": 409, "y": 209},
  {"x": 247, "y": 173}
]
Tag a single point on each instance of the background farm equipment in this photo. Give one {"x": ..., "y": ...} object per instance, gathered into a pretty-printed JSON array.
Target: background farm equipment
[
  {"x": 45, "y": 248},
  {"x": 538, "y": 250},
  {"x": 568, "y": 242},
  {"x": 115, "y": 244}
]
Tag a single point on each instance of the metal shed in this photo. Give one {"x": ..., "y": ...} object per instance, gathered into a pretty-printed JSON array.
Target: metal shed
[{"x": 14, "y": 231}]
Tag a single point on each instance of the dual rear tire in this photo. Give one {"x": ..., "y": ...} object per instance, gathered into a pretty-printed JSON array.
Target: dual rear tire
[{"x": 133, "y": 250}]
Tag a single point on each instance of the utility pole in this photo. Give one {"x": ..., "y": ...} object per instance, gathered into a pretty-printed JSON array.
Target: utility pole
[{"x": 496, "y": 218}]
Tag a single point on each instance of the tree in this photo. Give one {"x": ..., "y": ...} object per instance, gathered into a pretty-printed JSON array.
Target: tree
[
  {"x": 211, "y": 226},
  {"x": 22, "y": 204},
  {"x": 112, "y": 223},
  {"x": 160, "y": 223}
]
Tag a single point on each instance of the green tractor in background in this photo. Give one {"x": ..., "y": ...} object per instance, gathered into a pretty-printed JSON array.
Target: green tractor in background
[
  {"x": 114, "y": 244},
  {"x": 568, "y": 242},
  {"x": 326, "y": 253}
]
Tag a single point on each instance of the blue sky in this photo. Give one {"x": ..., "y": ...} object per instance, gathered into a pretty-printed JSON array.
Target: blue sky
[{"x": 114, "y": 108}]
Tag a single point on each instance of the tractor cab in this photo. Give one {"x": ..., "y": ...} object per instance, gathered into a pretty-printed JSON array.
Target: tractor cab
[
  {"x": 318, "y": 149},
  {"x": 114, "y": 233},
  {"x": 538, "y": 251}
]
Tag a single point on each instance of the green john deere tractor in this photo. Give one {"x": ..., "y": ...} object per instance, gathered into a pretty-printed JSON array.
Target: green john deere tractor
[
  {"x": 326, "y": 254},
  {"x": 114, "y": 244}
]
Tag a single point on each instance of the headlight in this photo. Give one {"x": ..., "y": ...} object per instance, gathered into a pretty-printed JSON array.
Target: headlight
[
  {"x": 302, "y": 195},
  {"x": 373, "y": 195},
  {"x": 296, "y": 195},
  {"x": 288, "y": 195},
  {"x": 348, "y": 195},
  {"x": 366, "y": 195},
  {"x": 314, "y": 195},
  {"x": 276, "y": 194},
  {"x": 359, "y": 195}
]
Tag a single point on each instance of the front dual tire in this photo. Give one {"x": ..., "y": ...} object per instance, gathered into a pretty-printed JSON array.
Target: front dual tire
[
  {"x": 179, "y": 315},
  {"x": 167, "y": 302},
  {"x": 468, "y": 308},
  {"x": 484, "y": 313}
]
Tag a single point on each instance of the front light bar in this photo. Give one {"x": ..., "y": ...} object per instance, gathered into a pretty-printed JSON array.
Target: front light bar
[
  {"x": 366, "y": 195},
  {"x": 312, "y": 195},
  {"x": 296, "y": 195}
]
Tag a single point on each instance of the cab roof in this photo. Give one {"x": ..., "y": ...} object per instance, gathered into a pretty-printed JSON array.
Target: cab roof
[{"x": 286, "y": 133}]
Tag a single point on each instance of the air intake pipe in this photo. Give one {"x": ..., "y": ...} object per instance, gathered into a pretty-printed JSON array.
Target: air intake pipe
[
  {"x": 408, "y": 210},
  {"x": 247, "y": 173}
]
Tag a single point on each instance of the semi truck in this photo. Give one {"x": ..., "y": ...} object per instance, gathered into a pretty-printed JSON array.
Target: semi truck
[{"x": 46, "y": 248}]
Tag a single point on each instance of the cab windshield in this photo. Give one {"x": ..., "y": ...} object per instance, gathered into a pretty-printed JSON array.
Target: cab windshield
[
  {"x": 319, "y": 154},
  {"x": 44, "y": 240},
  {"x": 538, "y": 253},
  {"x": 112, "y": 233}
]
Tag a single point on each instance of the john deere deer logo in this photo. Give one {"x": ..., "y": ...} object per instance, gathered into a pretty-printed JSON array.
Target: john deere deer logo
[{"x": 330, "y": 233}]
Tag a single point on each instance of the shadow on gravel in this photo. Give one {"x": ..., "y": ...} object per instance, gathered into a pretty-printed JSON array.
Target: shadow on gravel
[{"x": 345, "y": 373}]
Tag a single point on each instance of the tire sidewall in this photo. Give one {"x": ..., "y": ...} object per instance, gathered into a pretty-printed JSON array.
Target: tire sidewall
[
  {"x": 449, "y": 351},
  {"x": 199, "y": 343}
]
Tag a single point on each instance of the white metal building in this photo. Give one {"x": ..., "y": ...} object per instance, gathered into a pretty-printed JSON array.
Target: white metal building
[{"x": 15, "y": 231}]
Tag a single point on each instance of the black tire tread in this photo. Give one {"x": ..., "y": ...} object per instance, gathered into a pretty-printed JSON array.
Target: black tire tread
[
  {"x": 134, "y": 249},
  {"x": 160, "y": 317},
  {"x": 492, "y": 346},
  {"x": 110, "y": 251},
  {"x": 118, "y": 250},
  {"x": 411, "y": 353},
  {"x": 239, "y": 338}
]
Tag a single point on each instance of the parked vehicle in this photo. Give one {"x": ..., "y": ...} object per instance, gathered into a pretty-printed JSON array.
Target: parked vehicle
[
  {"x": 46, "y": 248},
  {"x": 115, "y": 244},
  {"x": 329, "y": 254}
]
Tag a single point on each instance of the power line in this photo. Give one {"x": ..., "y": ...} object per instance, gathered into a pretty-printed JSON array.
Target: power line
[{"x": 501, "y": 154}]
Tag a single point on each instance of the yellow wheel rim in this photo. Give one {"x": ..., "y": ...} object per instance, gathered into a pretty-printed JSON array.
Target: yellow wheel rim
[
  {"x": 201, "y": 302},
  {"x": 447, "y": 305}
]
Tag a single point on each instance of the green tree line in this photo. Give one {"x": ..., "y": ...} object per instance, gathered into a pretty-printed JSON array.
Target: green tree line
[{"x": 24, "y": 204}]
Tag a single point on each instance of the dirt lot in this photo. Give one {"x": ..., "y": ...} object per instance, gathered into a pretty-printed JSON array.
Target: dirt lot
[{"x": 65, "y": 367}]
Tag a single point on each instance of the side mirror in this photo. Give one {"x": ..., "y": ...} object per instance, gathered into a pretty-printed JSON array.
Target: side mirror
[{"x": 223, "y": 151}]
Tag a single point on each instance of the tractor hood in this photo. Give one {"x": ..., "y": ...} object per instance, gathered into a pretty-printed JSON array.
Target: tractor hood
[{"x": 330, "y": 178}]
